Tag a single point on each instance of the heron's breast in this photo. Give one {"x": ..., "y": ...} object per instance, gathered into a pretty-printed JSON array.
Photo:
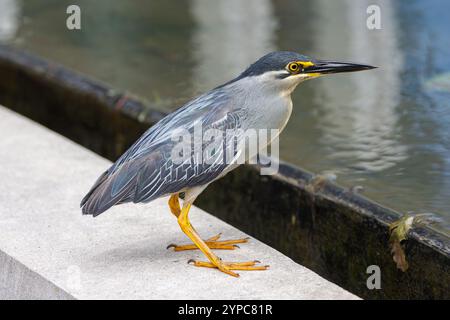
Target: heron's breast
[{"x": 271, "y": 113}]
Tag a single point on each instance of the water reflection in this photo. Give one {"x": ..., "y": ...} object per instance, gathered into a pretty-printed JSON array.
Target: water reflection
[
  {"x": 227, "y": 38},
  {"x": 363, "y": 133},
  {"x": 9, "y": 19}
]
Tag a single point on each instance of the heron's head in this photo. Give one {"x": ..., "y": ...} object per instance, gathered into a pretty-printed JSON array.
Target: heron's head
[{"x": 284, "y": 70}]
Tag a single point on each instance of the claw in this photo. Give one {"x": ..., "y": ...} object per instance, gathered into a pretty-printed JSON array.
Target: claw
[{"x": 215, "y": 238}]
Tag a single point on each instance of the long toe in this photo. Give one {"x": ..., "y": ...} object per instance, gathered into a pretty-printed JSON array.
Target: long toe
[
  {"x": 245, "y": 266},
  {"x": 212, "y": 243}
]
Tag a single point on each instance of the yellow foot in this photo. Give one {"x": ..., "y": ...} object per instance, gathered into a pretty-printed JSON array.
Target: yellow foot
[
  {"x": 212, "y": 243},
  {"x": 228, "y": 266}
]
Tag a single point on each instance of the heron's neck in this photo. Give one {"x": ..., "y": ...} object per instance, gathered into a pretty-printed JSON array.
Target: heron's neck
[{"x": 268, "y": 107}]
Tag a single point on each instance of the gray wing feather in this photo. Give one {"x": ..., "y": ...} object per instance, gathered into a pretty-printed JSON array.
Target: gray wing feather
[{"x": 146, "y": 171}]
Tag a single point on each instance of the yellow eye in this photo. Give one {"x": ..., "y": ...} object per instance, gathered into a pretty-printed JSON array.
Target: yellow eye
[{"x": 294, "y": 67}]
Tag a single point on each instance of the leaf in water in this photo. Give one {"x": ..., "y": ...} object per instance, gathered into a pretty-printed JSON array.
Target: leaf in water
[
  {"x": 398, "y": 255},
  {"x": 398, "y": 233}
]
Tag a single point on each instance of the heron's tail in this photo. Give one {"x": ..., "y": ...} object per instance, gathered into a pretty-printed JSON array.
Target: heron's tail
[{"x": 107, "y": 191}]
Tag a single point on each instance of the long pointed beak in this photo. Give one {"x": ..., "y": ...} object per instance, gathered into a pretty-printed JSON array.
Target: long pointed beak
[{"x": 327, "y": 67}]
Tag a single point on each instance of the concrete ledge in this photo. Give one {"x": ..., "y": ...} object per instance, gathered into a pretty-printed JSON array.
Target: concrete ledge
[{"x": 49, "y": 250}]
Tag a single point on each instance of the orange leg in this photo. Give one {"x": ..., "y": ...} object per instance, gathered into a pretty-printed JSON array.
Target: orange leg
[
  {"x": 174, "y": 205},
  {"x": 214, "y": 261}
]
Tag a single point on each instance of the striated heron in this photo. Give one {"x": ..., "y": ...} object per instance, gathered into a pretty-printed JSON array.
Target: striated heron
[{"x": 259, "y": 98}]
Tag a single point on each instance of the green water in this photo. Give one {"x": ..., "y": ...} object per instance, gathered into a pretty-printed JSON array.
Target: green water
[{"x": 386, "y": 130}]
